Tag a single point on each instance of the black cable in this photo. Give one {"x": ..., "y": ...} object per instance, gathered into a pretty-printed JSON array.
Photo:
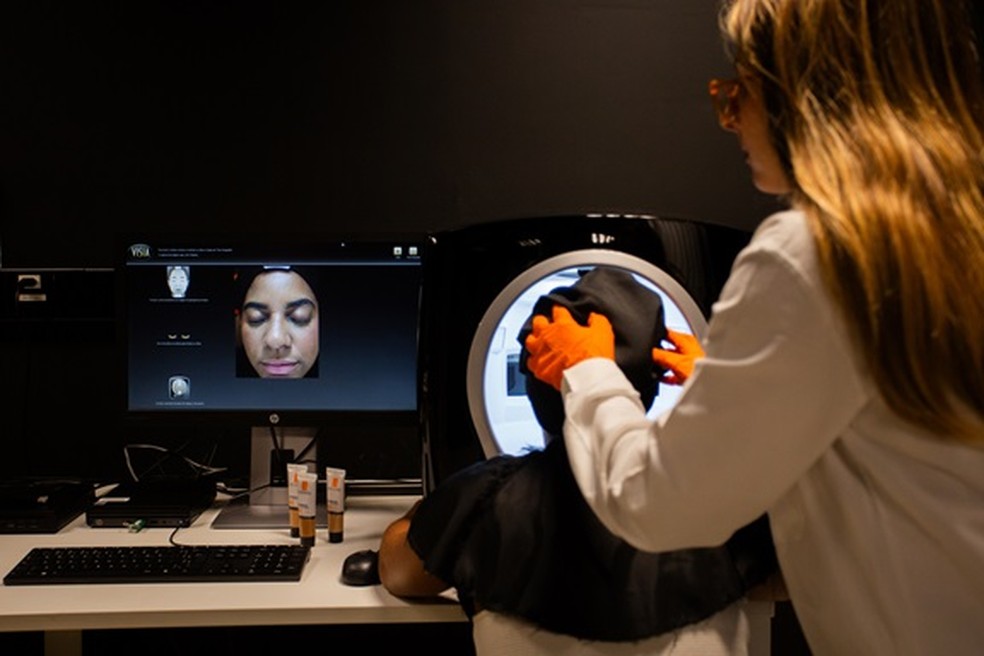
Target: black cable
[
  {"x": 211, "y": 456},
  {"x": 278, "y": 453},
  {"x": 303, "y": 452},
  {"x": 273, "y": 436},
  {"x": 169, "y": 454},
  {"x": 198, "y": 468}
]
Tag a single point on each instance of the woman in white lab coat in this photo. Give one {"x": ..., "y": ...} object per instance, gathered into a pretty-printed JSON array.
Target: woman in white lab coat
[{"x": 842, "y": 391}]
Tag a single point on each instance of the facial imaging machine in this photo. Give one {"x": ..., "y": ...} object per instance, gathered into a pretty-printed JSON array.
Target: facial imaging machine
[{"x": 479, "y": 286}]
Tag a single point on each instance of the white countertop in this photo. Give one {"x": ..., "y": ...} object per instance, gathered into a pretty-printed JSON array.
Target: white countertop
[{"x": 318, "y": 598}]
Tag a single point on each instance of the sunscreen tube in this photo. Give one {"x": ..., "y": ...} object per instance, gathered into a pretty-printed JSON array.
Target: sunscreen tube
[
  {"x": 293, "y": 469},
  {"x": 307, "y": 505},
  {"x": 335, "y": 483}
]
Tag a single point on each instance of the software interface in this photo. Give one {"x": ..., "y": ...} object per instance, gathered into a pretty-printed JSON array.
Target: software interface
[{"x": 230, "y": 328}]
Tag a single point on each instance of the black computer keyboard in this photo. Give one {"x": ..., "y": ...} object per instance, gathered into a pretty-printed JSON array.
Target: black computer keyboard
[{"x": 159, "y": 564}]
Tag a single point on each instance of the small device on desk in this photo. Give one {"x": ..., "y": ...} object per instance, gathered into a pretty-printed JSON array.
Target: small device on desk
[
  {"x": 361, "y": 568},
  {"x": 154, "y": 503},
  {"x": 42, "y": 505}
]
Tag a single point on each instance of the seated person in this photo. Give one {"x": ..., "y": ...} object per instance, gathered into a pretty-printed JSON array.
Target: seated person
[{"x": 535, "y": 570}]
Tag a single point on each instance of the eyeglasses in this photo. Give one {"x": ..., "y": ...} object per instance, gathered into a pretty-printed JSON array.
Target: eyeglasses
[{"x": 724, "y": 97}]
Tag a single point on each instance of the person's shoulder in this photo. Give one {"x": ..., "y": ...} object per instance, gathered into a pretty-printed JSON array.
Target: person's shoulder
[
  {"x": 788, "y": 230},
  {"x": 473, "y": 480},
  {"x": 786, "y": 237}
]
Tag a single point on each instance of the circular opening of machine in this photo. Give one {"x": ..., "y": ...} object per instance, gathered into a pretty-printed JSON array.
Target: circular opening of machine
[{"x": 500, "y": 409}]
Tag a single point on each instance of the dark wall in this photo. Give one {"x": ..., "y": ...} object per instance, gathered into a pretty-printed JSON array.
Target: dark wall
[
  {"x": 352, "y": 115},
  {"x": 222, "y": 114}
]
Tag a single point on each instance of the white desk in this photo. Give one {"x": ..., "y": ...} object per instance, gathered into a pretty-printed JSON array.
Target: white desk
[{"x": 63, "y": 611}]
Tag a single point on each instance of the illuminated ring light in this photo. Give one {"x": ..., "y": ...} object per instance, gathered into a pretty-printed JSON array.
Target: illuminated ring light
[{"x": 492, "y": 376}]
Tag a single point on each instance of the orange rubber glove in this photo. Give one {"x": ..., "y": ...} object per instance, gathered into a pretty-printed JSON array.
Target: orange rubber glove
[
  {"x": 678, "y": 362},
  {"x": 556, "y": 345}
]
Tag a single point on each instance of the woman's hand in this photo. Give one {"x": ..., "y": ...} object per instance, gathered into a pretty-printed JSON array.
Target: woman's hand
[
  {"x": 556, "y": 345},
  {"x": 678, "y": 361}
]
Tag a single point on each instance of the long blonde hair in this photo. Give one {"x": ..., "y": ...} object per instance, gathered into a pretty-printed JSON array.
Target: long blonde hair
[{"x": 877, "y": 110}]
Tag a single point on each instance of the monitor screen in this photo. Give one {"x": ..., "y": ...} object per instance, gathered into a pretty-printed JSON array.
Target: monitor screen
[
  {"x": 275, "y": 332},
  {"x": 260, "y": 329}
]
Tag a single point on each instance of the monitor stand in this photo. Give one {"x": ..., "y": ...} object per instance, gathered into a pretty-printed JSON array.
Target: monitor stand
[{"x": 266, "y": 505}]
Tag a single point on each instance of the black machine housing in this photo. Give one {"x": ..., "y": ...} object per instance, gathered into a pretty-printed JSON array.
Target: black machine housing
[{"x": 466, "y": 269}]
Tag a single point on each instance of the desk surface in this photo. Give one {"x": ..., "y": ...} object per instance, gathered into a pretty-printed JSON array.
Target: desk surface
[{"x": 318, "y": 598}]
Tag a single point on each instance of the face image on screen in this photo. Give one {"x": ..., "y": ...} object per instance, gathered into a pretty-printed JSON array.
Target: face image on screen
[
  {"x": 277, "y": 326},
  {"x": 500, "y": 409},
  {"x": 178, "y": 279}
]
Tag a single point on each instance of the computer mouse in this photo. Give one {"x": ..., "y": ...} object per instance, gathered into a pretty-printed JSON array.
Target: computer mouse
[{"x": 361, "y": 568}]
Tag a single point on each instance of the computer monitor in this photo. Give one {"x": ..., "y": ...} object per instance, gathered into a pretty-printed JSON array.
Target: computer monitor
[{"x": 291, "y": 338}]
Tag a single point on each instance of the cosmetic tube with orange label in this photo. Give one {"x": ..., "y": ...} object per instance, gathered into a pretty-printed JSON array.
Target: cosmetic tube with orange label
[
  {"x": 307, "y": 505},
  {"x": 335, "y": 495},
  {"x": 293, "y": 469}
]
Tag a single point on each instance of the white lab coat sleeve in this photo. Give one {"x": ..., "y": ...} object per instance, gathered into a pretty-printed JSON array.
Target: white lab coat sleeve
[{"x": 778, "y": 384}]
